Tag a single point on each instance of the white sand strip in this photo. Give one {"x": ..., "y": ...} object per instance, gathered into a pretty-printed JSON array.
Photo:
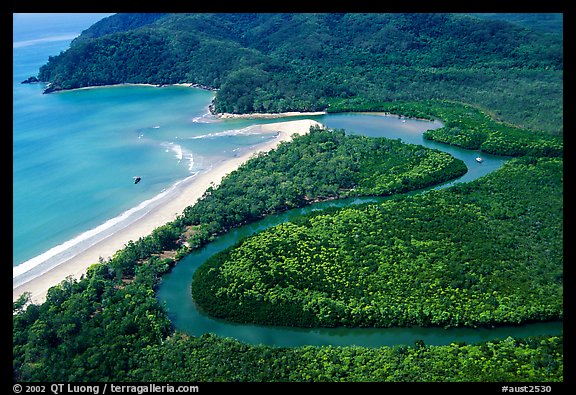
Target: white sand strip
[{"x": 184, "y": 195}]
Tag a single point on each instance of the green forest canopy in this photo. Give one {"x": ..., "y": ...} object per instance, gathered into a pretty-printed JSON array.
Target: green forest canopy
[
  {"x": 484, "y": 253},
  {"x": 320, "y": 165},
  {"x": 109, "y": 325},
  {"x": 302, "y": 61}
]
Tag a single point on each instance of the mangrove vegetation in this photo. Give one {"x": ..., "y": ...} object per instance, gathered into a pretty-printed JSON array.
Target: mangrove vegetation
[
  {"x": 302, "y": 61},
  {"x": 320, "y": 165},
  {"x": 484, "y": 253},
  {"x": 479, "y": 254}
]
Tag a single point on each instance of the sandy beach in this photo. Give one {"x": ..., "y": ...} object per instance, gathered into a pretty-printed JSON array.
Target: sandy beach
[
  {"x": 269, "y": 115},
  {"x": 184, "y": 195}
]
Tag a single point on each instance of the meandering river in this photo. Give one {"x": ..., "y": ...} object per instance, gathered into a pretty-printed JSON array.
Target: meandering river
[{"x": 175, "y": 289}]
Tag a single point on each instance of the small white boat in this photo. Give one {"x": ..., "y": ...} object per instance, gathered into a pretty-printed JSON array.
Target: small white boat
[{"x": 479, "y": 160}]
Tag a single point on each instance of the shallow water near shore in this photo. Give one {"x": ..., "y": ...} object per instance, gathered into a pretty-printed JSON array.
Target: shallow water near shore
[
  {"x": 75, "y": 154},
  {"x": 175, "y": 289}
]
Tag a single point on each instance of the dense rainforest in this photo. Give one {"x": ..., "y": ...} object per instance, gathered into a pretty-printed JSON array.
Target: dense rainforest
[
  {"x": 486, "y": 252},
  {"x": 544, "y": 22},
  {"x": 110, "y": 326},
  {"x": 480, "y": 254},
  {"x": 300, "y": 62},
  {"x": 464, "y": 126},
  {"x": 320, "y": 165}
]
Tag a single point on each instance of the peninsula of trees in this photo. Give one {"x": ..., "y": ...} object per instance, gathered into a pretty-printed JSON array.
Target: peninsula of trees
[
  {"x": 302, "y": 62},
  {"x": 484, "y": 253},
  {"x": 110, "y": 326}
]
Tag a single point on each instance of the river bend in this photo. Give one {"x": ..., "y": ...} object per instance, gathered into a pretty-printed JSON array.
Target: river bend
[{"x": 175, "y": 290}]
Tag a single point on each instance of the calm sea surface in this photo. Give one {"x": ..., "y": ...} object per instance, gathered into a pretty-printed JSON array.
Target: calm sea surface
[{"x": 75, "y": 153}]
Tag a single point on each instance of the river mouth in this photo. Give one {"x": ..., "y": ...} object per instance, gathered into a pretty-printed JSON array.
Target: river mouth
[{"x": 175, "y": 290}]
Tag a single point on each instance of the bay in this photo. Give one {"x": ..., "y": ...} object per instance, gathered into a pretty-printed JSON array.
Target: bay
[{"x": 75, "y": 153}]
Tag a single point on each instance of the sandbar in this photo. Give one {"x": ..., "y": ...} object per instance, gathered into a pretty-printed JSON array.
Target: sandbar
[
  {"x": 186, "y": 194},
  {"x": 269, "y": 115}
]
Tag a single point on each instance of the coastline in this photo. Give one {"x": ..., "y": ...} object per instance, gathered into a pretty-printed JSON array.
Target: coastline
[
  {"x": 123, "y": 84},
  {"x": 168, "y": 207},
  {"x": 199, "y": 86},
  {"x": 49, "y": 89}
]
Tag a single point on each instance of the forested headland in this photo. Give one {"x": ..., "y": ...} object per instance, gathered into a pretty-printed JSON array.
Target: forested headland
[
  {"x": 483, "y": 253},
  {"x": 110, "y": 326},
  {"x": 303, "y": 61},
  {"x": 320, "y": 165}
]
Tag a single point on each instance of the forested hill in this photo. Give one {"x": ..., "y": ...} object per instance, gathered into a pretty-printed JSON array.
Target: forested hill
[{"x": 284, "y": 62}]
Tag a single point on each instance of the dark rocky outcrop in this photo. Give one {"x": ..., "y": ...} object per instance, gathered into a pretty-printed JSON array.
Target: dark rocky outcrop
[{"x": 30, "y": 80}]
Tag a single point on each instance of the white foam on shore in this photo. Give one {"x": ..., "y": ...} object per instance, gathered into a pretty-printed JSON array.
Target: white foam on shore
[
  {"x": 176, "y": 148},
  {"x": 180, "y": 153},
  {"x": 31, "y": 270},
  {"x": 247, "y": 131},
  {"x": 46, "y": 261},
  {"x": 204, "y": 118},
  {"x": 190, "y": 158}
]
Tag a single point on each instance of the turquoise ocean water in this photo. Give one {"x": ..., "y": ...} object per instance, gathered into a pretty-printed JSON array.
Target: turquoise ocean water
[{"x": 75, "y": 153}]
